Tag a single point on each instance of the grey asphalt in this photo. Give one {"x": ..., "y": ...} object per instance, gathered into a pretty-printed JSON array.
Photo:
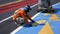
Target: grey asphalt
[
  {"x": 6, "y": 1},
  {"x": 7, "y": 14},
  {"x": 7, "y": 26}
]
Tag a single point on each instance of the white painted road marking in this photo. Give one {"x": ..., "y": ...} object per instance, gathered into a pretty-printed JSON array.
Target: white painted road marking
[
  {"x": 31, "y": 7},
  {"x": 19, "y": 26},
  {"x": 13, "y": 32},
  {"x": 11, "y": 16}
]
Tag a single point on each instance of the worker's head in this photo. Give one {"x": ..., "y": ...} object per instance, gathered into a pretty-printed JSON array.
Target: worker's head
[{"x": 27, "y": 8}]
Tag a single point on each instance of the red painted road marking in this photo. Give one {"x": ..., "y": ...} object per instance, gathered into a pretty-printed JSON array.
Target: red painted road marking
[{"x": 16, "y": 5}]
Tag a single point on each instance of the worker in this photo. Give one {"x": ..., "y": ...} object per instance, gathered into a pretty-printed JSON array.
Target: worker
[{"x": 22, "y": 12}]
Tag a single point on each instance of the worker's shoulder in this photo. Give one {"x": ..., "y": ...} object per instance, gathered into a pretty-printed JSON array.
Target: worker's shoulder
[{"x": 20, "y": 9}]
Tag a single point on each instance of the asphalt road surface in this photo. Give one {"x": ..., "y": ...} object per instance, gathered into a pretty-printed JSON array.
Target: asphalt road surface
[
  {"x": 7, "y": 26},
  {"x": 6, "y": 1}
]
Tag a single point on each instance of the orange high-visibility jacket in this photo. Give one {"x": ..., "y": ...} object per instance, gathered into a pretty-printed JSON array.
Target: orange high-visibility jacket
[{"x": 20, "y": 13}]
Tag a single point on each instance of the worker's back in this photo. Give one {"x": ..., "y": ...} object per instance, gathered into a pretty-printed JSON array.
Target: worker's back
[{"x": 20, "y": 13}]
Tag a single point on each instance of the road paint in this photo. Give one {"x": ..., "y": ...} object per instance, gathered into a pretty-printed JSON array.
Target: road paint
[
  {"x": 45, "y": 14},
  {"x": 11, "y": 16},
  {"x": 54, "y": 17},
  {"x": 46, "y": 29},
  {"x": 13, "y": 32}
]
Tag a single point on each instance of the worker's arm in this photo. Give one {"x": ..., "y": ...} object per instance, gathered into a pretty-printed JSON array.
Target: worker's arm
[{"x": 14, "y": 17}]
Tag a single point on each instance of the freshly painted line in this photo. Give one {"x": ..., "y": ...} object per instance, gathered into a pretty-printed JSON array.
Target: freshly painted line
[
  {"x": 17, "y": 29},
  {"x": 11, "y": 16},
  {"x": 13, "y": 32},
  {"x": 5, "y": 19},
  {"x": 31, "y": 7}
]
